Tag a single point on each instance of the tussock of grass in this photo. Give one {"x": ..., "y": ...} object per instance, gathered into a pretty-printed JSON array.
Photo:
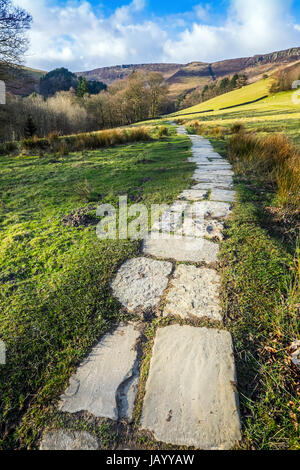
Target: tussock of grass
[
  {"x": 196, "y": 127},
  {"x": 85, "y": 141},
  {"x": 274, "y": 157}
]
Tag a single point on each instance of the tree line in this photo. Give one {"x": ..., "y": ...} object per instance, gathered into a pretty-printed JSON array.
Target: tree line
[{"x": 140, "y": 97}]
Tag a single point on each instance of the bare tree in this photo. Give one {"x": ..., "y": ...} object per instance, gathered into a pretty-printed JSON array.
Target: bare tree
[{"x": 14, "y": 23}]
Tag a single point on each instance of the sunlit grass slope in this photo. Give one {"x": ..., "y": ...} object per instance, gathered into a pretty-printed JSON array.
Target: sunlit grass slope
[{"x": 248, "y": 93}]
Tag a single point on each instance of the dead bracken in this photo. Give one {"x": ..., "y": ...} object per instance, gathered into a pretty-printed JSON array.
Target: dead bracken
[{"x": 80, "y": 218}]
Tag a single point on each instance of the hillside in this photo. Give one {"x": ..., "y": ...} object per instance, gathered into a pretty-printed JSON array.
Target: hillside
[
  {"x": 252, "y": 92},
  {"x": 110, "y": 74},
  {"x": 26, "y": 81},
  {"x": 181, "y": 78},
  {"x": 184, "y": 78}
]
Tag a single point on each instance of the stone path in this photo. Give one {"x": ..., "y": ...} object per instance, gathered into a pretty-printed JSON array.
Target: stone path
[{"x": 190, "y": 397}]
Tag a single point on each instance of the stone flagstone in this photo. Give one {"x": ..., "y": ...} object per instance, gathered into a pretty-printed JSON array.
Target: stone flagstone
[
  {"x": 210, "y": 185},
  {"x": 212, "y": 229},
  {"x": 106, "y": 383},
  {"x": 222, "y": 195},
  {"x": 210, "y": 209},
  {"x": 141, "y": 282},
  {"x": 194, "y": 195},
  {"x": 69, "y": 440},
  {"x": 216, "y": 180},
  {"x": 190, "y": 393},
  {"x": 189, "y": 249},
  {"x": 194, "y": 292}
]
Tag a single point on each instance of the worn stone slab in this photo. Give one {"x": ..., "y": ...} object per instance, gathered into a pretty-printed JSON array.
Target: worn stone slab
[
  {"x": 202, "y": 186},
  {"x": 222, "y": 195},
  {"x": 141, "y": 282},
  {"x": 214, "y": 179},
  {"x": 213, "y": 173},
  {"x": 194, "y": 292},
  {"x": 193, "y": 195},
  {"x": 178, "y": 206},
  {"x": 168, "y": 222},
  {"x": 212, "y": 167},
  {"x": 199, "y": 160},
  {"x": 190, "y": 249},
  {"x": 212, "y": 229},
  {"x": 106, "y": 382},
  {"x": 69, "y": 440},
  {"x": 210, "y": 209},
  {"x": 190, "y": 393},
  {"x": 218, "y": 163}
]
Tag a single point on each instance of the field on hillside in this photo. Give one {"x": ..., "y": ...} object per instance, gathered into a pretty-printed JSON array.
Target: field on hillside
[
  {"x": 248, "y": 93},
  {"x": 276, "y": 113},
  {"x": 56, "y": 300}
]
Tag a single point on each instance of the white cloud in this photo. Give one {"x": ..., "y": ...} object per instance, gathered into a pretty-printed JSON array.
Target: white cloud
[
  {"x": 78, "y": 37},
  {"x": 250, "y": 28}
]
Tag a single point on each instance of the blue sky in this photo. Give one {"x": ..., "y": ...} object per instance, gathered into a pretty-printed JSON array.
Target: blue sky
[{"x": 86, "y": 34}]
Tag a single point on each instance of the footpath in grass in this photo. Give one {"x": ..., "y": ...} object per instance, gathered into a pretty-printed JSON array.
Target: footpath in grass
[{"x": 56, "y": 300}]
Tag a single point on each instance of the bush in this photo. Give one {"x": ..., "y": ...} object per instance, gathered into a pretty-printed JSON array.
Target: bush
[
  {"x": 163, "y": 132},
  {"x": 237, "y": 127}
]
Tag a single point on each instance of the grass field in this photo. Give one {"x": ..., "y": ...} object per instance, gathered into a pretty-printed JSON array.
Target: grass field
[
  {"x": 248, "y": 93},
  {"x": 56, "y": 300}
]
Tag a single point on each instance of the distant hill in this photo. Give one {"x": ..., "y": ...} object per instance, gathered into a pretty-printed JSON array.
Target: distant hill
[
  {"x": 185, "y": 78},
  {"x": 25, "y": 81},
  {"x": 181, "y": 78},
  {"x": 109, "y": 75}
]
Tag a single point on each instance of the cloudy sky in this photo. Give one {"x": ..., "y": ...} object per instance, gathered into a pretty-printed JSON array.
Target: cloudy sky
[{"x": 86, "y": 34}]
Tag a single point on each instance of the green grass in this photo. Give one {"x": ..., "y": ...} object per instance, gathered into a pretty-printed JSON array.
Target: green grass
[
  {"x": 277, "y": 113},
  {"x": 248, "y": 93},
  {"x": 56, "y": 300}
]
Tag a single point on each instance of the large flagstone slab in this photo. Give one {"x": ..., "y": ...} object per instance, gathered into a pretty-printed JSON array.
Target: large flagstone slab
[
  {"x": 189, "y": 249},
  {"x": 194, "y": 195},
  {"x": 214, "y": 179},
  {"x": 105, "y": 384},
  {"x": 209, "y": 228},
  {"x": 210, "y": 185},
  {"x": 69, "y": 440},
  {"x": 194, "y": 292},
  {"x": 210, "y": 209},
  {"x": 191, "y": 398},
  {"x": 222, "y": 195},
  {"x": 141, "y": 282}
]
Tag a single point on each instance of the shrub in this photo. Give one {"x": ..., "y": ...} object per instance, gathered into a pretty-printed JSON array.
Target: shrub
[
  {"x": 163, "y": 132},
  {"x": 237, "y": 127}
]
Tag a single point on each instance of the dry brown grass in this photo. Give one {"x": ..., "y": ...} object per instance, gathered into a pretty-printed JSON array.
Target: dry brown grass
[
  {"x": 274, "y": 157},
  {"x": 84, "y": 141},
  {"x": 199, "y": 128}
]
